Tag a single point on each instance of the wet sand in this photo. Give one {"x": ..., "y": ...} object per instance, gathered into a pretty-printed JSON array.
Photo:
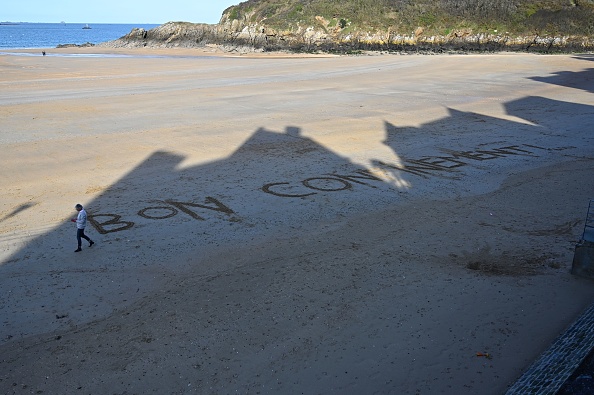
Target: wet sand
[{"x": 282, "y": 224}]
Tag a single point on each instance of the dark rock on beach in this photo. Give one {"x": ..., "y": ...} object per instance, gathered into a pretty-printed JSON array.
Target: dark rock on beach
[{"x": 87, "y": 44}]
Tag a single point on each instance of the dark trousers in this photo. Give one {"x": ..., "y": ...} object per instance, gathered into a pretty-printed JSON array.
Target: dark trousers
[{"x": 80, "y": 233}]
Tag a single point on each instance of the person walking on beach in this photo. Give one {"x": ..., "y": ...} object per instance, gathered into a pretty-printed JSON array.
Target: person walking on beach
[{"x": 81, "y": 223}]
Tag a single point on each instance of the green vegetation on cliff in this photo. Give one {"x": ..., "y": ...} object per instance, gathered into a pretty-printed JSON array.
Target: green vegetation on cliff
[
  {"x": 438, "y": 17},
  {"x": 351, "y": 26}
]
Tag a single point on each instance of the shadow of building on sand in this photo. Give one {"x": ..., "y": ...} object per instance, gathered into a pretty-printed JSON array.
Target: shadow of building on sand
[
  {"x": 163, "y": 219},
  {"x": 275, "y": 186},
  {"x": 583, "y": 80},
  {"x": 160, "y": 216}
]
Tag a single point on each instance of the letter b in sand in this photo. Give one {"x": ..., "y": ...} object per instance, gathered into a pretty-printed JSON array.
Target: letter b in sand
[{"x": 113, "y": 224}]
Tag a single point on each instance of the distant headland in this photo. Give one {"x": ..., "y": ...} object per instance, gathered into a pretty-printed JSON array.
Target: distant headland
[{"x": 353, "y": 26}]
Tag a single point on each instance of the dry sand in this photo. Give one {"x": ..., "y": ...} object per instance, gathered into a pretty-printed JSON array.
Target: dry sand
[{"x": 276, "y": 224}]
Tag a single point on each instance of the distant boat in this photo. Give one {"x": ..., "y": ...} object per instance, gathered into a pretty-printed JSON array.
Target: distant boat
[{"x": 87, "y": 27}]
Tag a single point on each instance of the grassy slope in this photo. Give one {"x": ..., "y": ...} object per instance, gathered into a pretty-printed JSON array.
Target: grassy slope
[{"x": 545, "y": 17}]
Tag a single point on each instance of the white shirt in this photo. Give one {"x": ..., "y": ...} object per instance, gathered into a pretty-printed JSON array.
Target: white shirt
[{"x": 81, "y": 219}]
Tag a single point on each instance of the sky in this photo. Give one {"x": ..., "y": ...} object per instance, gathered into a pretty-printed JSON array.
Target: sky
[{"x": 115, "y": 11}]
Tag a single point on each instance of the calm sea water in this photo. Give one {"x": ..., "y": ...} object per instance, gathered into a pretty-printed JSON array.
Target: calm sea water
[{"x": 50, "y": 35}]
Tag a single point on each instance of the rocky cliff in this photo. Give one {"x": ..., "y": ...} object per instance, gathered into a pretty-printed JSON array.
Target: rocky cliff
[
  {"x": 257, "y": 38},
  {"x": 235, "y": 34}
]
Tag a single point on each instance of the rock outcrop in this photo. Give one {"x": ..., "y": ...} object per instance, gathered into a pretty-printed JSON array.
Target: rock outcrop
[
  {"x": 87, "y": 44},
  {"x": 233, "y": 35}
]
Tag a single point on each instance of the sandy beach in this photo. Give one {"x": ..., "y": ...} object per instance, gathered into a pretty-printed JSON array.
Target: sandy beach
[{"x": 275, "y": 224}]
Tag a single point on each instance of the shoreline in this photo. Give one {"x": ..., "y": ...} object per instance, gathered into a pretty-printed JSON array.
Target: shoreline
[
  {"x": 220, "y": 51},
  {"x": 212, "y": 51}
]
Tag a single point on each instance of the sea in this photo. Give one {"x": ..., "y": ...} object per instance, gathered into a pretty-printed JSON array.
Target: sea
[{"x": 49, "y": 35}]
